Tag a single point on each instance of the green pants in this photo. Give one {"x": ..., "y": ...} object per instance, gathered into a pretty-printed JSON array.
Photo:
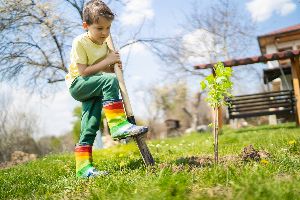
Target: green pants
[{"x": 92, "y": 91}]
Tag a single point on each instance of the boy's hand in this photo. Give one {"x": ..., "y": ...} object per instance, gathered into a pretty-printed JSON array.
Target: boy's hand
[
  {"x": 111, "y": 68},
  {"x": 113, "y": 57}
]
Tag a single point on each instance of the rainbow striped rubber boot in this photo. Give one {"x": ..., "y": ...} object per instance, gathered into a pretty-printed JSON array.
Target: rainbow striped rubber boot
[
  {"x": 84, "y": 160},
  {"x": 119, "y": 127}
]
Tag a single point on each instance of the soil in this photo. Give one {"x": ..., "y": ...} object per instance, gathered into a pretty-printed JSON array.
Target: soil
[{"x": 248, "y": 154}]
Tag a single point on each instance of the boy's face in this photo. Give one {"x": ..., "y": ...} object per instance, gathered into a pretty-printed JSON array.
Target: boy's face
[{"x": 98, "y": 31}]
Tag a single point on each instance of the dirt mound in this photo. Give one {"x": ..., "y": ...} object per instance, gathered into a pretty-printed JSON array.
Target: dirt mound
[
  {"x": 248, "y": 154},
  {"x": 251, "y": 154},
  {"x": 18, "y": 157}
]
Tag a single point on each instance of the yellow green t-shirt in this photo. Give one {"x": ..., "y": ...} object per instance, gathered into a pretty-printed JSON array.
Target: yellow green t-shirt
[{"x": 84, "y": 51}]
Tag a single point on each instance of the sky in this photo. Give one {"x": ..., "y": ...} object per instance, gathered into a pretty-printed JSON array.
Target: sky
[{"x": 162, "y": 18}]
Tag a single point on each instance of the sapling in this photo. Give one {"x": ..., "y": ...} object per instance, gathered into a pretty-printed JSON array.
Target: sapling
[{"x": 218, "y": 85}]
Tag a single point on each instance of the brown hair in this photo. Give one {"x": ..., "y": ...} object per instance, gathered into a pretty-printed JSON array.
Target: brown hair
[{"x": 94, "y": 9}]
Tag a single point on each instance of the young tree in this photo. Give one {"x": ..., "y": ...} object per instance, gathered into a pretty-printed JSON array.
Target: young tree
[{"x": 218, "y": 85}]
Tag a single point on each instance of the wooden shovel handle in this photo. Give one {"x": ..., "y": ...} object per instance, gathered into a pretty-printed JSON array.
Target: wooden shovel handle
[
  {"x": 119, "y": 74},
  {"x": 144, "y": 150}
]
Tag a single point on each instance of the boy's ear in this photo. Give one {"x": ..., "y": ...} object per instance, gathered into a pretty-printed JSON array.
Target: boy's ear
[{"x": 84, "y": 25}]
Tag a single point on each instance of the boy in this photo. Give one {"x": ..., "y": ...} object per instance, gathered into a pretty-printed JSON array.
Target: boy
[{"x": 90, "y": 57}]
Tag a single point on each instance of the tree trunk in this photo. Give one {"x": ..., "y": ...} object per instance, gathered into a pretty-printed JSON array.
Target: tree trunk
[{"x": 216, "y": 130}]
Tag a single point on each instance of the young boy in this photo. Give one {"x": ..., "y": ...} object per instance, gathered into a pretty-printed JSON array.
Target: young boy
[{"x": 90, "y": 57}]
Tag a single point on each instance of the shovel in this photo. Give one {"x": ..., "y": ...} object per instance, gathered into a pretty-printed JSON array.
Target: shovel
[{"x": 139, "y": 139}]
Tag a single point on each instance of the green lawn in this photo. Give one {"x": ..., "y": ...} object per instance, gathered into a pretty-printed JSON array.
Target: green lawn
[{"x": 173, "y": 177}]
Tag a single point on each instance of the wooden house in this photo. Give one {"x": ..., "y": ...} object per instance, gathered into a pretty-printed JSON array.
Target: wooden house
[
  {"x": 278, "y": 74},
  {"x": 281, "y": 51}
]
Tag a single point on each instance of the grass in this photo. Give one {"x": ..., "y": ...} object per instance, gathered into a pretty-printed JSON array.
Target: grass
[{"x": 53, "y": 177}]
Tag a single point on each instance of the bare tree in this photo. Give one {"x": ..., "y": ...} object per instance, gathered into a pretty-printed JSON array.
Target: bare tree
[
  {"x": 234, "y": 36},
  {"x": 154, "y": 115},
  {"x": 77, "y": 5},
  {"x": 166, "y": 102},
  {"x": 33, "y": 42},
  {"x": 217, "y": 32},
  {"x": 16, "y": 129},
  {"x": 35, "y": 38},
  {"x": 232, "y": 29},
  {"x": 193, "y": 111}
]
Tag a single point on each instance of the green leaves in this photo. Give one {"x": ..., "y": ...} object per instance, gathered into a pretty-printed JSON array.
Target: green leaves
[{"x": 218, "y": 86}]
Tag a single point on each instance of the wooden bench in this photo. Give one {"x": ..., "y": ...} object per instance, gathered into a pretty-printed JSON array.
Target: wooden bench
[{"x": 281, "y": 103}]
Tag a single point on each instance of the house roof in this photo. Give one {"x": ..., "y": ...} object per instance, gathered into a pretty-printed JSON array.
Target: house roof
[
  {"x": 283, "y": 30},
  {"x": 282, "y": 35},
  {"x": 255, "y": 59}
]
